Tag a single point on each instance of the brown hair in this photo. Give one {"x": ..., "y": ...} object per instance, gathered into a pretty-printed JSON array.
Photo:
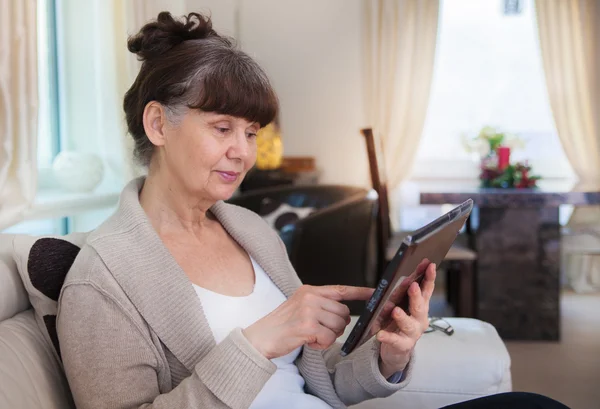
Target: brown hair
[{"x": 187, "y": 64}]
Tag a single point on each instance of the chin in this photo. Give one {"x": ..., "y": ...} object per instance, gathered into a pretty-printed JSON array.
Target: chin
[{"x": 224, "y": 192}]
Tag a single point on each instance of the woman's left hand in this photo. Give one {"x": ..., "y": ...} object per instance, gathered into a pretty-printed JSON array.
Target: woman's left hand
[{"x": 399, "y": 339}]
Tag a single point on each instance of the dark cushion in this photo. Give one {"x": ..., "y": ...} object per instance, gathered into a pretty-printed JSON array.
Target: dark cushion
[{"x": 43, "y": 264}]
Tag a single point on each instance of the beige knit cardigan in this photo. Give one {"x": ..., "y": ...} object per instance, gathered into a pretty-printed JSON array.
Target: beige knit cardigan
[{"x": 133, "y": 334}]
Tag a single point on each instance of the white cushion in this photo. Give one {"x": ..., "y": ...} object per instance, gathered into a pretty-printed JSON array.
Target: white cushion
[
  {"x": 285, "y": 214},
  {"x": 473, "y": 362},
  {"x": 13, "y": 297},
  {"x": 30, "y": 374}
]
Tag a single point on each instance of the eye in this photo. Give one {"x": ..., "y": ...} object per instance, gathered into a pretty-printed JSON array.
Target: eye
[
  {"x": 251, "y": 135},
  {"x": 222, "y": 130}
]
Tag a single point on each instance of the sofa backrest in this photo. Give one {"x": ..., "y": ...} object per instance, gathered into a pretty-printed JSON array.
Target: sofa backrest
[
  {"x": 13, "y": 297},
  {"x": 30, "y": 373}
]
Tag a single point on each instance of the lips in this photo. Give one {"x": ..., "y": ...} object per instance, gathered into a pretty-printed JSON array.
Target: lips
[
  {"x": 234, "y": 174},
  {"x": 228, "y": 176}
]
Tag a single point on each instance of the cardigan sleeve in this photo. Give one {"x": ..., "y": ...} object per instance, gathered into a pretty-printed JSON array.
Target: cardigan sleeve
[
  {"x": 357, "y": 377},
  {"x": 111, "y": 362}
]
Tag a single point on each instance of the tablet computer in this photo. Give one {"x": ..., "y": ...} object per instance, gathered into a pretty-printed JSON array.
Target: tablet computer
[{"x": 430, "y": 244}]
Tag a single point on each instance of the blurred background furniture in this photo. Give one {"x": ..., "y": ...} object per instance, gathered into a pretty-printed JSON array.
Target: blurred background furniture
[
  {"x": 459, "y": 263},
  {"x": 516, "y": 233},
  {"x": 379, "y": 183},
  {"x": 293, "y": 170},
  {"x": 261, "y": 179},
  {"x": 335, "y": 244},
  {"x": 580, "y": 249},
  {"x": 580, "y": 258},
  {"x": 471, "y": 363}
]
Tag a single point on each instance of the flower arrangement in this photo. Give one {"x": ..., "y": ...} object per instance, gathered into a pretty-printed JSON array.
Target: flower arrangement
[{"x": 493, "y": 148}]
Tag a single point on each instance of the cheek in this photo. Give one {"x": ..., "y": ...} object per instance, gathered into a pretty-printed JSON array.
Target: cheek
[
  {"x": 201, "y": 153},
  {"x": 251, "y": 158},
  {"x": 191, "y": 154}
]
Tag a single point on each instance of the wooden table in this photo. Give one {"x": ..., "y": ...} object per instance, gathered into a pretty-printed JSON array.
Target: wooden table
[{"x": 516, "y": 233}]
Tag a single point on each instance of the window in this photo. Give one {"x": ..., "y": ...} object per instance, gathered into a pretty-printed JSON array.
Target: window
[
  {"x": 39, "y": 227},
  {"x": 48, "y": 141},
  {"x": 63, "y": 83},
  {"x": 488, "y": 71},
  {"x": 48, "y": 131}
]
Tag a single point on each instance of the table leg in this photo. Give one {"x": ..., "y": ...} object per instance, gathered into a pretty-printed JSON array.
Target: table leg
[
  {"x": 464, "y": 306},
  {"x": 518, "y": 279}
]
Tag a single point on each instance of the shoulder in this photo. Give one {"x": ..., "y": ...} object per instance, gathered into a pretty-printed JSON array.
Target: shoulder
[
  {"x": 234, "y": 217},
  {"x": 89, "y": 270},
  {"x": 90, "y": 290},
  {"x": 89, "y": 274}
]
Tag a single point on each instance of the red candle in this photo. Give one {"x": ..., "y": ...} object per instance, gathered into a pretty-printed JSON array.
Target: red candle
[{"x": 503, "y": 157}]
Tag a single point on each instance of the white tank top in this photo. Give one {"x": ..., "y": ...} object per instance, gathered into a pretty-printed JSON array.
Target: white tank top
[{"x": 285, "y": 388}]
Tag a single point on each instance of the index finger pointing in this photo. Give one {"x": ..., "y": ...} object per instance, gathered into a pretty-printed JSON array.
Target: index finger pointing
[{"x": 345, "y": 292}]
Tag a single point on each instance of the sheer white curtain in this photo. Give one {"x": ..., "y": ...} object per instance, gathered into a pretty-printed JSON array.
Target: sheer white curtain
[
  {"x": 400, "y": 42},
  {"x": 18, "y": 108},
  {"x": 569, "y": 36}
]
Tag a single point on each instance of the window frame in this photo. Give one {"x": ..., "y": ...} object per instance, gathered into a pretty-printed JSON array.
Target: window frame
[{"x": 52, "y": 65}]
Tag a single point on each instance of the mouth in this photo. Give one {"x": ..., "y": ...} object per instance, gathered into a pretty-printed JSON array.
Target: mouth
[{"x": 228, "y": 176}]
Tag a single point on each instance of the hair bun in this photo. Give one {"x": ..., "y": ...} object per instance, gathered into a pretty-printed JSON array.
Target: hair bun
[{"x": 159, "y": 36}]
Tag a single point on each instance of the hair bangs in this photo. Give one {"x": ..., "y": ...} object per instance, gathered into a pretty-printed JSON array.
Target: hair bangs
[{"x": 238, "y": 87}]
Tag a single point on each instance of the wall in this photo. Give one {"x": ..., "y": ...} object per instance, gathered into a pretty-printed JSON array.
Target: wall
[
  {"x": 311, "y": 51},
  {"x": 224, "y": 13}
]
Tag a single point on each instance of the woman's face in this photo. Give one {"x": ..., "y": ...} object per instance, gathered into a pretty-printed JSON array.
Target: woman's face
[{"x": 209, "y": 153}]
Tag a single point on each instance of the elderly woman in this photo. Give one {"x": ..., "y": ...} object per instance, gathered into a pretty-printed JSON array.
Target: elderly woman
[{"x": 180, "y": 300}]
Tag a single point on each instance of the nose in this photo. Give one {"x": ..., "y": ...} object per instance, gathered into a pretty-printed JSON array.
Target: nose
[{"x": 240, "y": 146}]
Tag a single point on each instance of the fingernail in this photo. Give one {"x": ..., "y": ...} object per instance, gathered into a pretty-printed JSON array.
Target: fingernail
[{"x": 397, "y": 310}]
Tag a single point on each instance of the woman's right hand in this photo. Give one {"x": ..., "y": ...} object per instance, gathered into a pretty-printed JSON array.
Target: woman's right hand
[{"x": 313, "y": 316}]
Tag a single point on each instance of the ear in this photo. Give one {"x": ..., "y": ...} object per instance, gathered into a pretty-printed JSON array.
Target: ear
[{"x": 155, "y": 121}]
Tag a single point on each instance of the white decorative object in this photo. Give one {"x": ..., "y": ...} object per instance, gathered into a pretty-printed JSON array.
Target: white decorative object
[{"x": 78, "y": 171}]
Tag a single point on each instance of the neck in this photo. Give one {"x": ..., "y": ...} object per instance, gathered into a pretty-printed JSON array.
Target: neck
[{"x": 171, "y": 207}]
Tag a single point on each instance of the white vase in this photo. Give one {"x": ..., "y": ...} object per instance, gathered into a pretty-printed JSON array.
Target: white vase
[{"x": 78, "y": 171}]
